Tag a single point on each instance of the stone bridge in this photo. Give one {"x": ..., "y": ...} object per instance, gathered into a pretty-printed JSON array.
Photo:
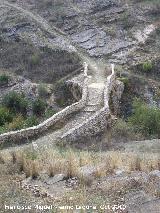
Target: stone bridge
[{"x": 89, "y": 116}]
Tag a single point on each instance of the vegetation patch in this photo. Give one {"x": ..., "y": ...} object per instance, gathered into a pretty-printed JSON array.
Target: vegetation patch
[
  {"x": 4, "y": 79},
  {"x": 125, "y": 80},
  {"x": 147, "y": 66},
  {"x": 125, "y": 131},
  {"x": 5, "y": 116},
  {"x": 127, "y": 20},
  {"x": 16, "y": 103},
  {"x": 42, "y": 91},
  {"x": 63, "y": 94},
  {"x": 69, "y": 162},
  {"x": 39, "y": 107},
  {"x": 145, "y": 119},
  {"x": 17, "y": 112}
]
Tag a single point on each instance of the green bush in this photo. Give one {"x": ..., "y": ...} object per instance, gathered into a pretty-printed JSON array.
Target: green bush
[
  {"x": 31, "y": 121},
  {"x": 4, "y": 79},
  {"x": 42, "y": 91},
  {"x": 145, "y": 119},
  {"x": 15, "y": 102},
  {"x": 2, "y": 130},
  {"x": 49, "y": 113},
  {"x": 39, "y": 107},
  {"x": 125, "y": 80},
  {"x": 5, "y": 116},
  {"x": 147, "y": 66},
  {"x": 18, "y": 122}
]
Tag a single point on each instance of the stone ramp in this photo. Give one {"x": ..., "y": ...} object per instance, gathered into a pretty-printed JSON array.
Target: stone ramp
[
  {"x": 50, "y": 139},
  {"x": 76, "y": 120},
  {"x": 95, "y": 97},
  {"x": 98, "y": 94}
]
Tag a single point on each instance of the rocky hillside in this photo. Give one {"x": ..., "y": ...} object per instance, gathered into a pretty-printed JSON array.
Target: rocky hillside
[
  {"x": 84, "y": 128},
  {"x": 48, "y": 37}
]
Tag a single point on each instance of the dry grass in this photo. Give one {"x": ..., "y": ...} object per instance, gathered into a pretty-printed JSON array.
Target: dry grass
[
  {"x": 31, "y": 168},
  {"x": 69, "y": 162}
]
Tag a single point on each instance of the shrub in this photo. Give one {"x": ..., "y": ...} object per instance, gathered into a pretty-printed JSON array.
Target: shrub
[
  {"x": 15, "y": 102},
  {"x": 127, "y": 20},
  {"x": 146, "y": 119},
  {"x": 19, "y": 122},
  {"x": 49, "y": 113},
  {"x": 63, "y": 95},
  {"x": 4, "y": 79},
  {"x": 125, "y": 80},
  {"x": 5, "y": 116},
  {"x": 124, "y": 130},
  {"x": 16, "y": 124},
  {"x": 2, "y": 129},
  {"x": 31, "y": 121},
  {"x": 147, "y": 66},
  {"x": 39, "y": 107},
  {"x": 42, "y": 91},
  {"x": 60, "y": 102}
]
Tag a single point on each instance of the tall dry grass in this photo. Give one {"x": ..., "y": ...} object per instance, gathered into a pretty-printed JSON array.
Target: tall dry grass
[{"x": 69, "y": 162}]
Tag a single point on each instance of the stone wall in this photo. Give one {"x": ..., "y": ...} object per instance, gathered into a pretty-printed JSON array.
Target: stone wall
[
  {"x": 99, "y": 121},
  {"x": 31, "y": 132}
]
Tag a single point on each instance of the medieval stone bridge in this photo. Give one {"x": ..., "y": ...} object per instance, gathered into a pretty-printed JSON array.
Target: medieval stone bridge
[{"x": 89, "y": 116}]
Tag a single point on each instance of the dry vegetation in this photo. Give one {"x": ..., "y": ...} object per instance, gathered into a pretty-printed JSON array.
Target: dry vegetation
[
  {"x": 38, "y": 164},
  {"x": 69, "y": 162}
]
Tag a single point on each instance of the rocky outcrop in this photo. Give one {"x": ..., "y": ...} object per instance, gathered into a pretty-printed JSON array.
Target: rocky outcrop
[{"x": 111, "y": 28}]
